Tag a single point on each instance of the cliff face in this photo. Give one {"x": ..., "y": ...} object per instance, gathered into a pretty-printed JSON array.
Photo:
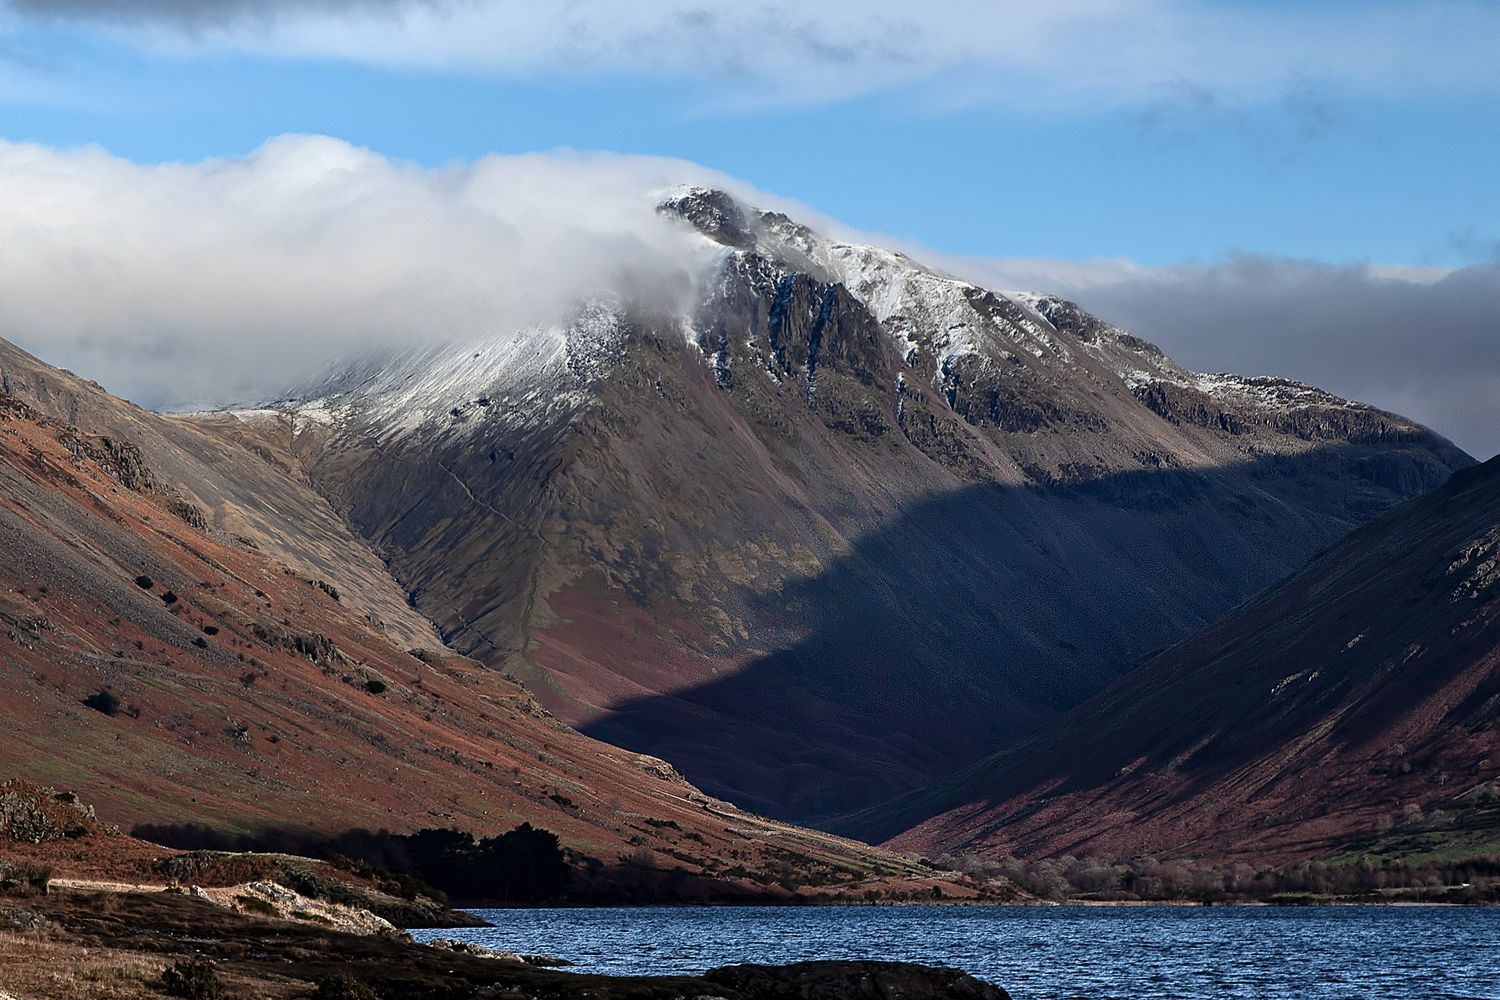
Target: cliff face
[
  {"x": 844, "y": 525},
  {"x": 1341, "y": 706}
]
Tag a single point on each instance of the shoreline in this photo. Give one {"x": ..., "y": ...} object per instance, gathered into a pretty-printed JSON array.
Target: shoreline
[
  {"x": 961, "y": 904},
  {"x": 69, "y": 942}
]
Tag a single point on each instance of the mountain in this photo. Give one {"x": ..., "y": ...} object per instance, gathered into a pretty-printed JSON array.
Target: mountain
[
  {"x": 174, "y": 672},
  {"x": 824, "y": 524},
  {"x": 1357, "y": 702}
]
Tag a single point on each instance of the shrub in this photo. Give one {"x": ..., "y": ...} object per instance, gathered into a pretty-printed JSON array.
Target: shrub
[
  {"x": 144, "y": 582},
  {"x": 192, "y": 979},
  {"x": 343, "y": 987},
  {"x": 24, "y": 878},
  {"x": 526, "y": 864},
  {"x": 375, "y": 687},
  {"x": 104, "y": 701},
  {"x": 170, "y": 597},
  {"x": 256, "y": 905}
]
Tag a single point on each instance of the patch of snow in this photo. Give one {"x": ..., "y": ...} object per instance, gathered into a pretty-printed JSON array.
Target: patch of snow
[{"x": 531, "y": 377}]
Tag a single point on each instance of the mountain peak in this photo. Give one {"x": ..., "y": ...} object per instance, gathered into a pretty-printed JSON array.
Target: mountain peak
[{"x": 712, "y": 212}]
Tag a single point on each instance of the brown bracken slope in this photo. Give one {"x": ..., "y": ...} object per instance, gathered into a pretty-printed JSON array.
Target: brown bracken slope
[
  {"x": 245, "y": 492},
  {"x": 231, "y": 690},
  {"x": 1362, "y": 692}
]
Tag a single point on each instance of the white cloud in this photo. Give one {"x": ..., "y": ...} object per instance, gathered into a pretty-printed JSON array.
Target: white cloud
[
  {"x": 227, "y": 279},
  {"x": 1061, "y": 53}
]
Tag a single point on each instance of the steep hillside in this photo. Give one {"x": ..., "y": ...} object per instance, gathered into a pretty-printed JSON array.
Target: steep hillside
[
  {"x": 1356, "y": 703},
  {"x": 843, "y": 524},
  {"x": 175, "y": 674},
  {"x": 251, "y": 493}
]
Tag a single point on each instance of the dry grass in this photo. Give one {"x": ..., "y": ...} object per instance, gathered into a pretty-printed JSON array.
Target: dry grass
[{"x": 34, "y": 966}]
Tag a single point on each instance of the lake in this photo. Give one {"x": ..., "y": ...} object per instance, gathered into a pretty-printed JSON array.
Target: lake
[{"x": 1051, "y": 953}]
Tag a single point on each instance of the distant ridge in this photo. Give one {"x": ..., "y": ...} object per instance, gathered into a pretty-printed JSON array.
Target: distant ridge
[{"x": 1355, "y": 705}]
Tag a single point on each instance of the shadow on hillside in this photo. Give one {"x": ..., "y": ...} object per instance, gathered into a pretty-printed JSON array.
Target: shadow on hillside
[{"x": 978, "y": 614}]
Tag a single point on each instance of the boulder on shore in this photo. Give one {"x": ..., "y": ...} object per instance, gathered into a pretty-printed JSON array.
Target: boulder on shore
[{"x": 850, "y": 981}]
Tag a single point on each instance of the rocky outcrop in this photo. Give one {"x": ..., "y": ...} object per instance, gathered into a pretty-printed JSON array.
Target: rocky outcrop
[
  {"x": 300, "y": 888},
  {"x": 713, "y": 213},
  {"x": 120, "y": 459},
  {"x": 14, "y": 918},
  {"x": 480, "y": 951},
  {"x": 274, "y": 899},
  {"x": 850, "y": 981},
  {"x": 33, "y": 814}
]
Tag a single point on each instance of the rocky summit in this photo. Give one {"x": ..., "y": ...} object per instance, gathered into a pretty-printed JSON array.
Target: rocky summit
[{"x": 825, "y": 524}]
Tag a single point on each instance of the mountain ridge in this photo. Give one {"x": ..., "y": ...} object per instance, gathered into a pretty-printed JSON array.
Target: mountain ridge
[{"x": 622, "y": 510}]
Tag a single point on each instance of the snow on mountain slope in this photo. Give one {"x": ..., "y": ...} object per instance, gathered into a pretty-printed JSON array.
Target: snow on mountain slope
[
  {"x": 935, "y": 320},
  {"x": 534, "y": 376}
]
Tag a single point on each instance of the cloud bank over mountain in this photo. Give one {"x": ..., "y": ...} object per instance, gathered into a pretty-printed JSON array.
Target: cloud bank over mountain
[
  {"x": 1423, "y": 342},
  {"x": 1427, "y": 349},
  {"x": 230, "y": 280}
]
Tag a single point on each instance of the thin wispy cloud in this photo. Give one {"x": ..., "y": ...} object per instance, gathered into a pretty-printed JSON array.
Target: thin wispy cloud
[
  {"x": 1469, "y": 244},
  {"x": 1061, "y": 54},
  {"x": 192, "y": 13}
]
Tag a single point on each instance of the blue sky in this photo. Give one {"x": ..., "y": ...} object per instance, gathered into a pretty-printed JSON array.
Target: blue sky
[{"x": 1170, "y": 138}]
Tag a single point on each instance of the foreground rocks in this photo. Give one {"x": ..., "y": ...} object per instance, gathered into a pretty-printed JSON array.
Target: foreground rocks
[
  {"x": 270, "y": 899},
  {"x": 136, "y": 936},
  {"x": 850, "y": 981},
  {"x": 33, "y": 814},
  {"x": 299, "y": 887},
  {"x": 480, "y": 951}
]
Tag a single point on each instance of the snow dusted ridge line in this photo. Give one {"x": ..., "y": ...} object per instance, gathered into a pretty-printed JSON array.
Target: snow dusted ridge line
[
  {"x": 542, "y": 375},
  {"x": 916, "y": 303},
  {"x": 532, "y": 377}
]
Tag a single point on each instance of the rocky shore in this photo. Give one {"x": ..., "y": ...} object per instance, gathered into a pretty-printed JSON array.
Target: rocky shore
[{"x": 125, "y": 946}]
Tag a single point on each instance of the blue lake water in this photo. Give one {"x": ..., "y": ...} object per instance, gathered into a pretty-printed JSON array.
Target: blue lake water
[{"x": 1051, "y": 953}]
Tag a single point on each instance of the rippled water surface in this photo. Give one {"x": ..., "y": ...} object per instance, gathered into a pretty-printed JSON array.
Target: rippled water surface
[{"x": 1050, "y": 953}]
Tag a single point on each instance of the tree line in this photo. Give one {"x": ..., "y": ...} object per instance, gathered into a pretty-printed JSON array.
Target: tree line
[
  {"x": 1475, "y": 879},
  {"x": 523, "y": 865}
]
